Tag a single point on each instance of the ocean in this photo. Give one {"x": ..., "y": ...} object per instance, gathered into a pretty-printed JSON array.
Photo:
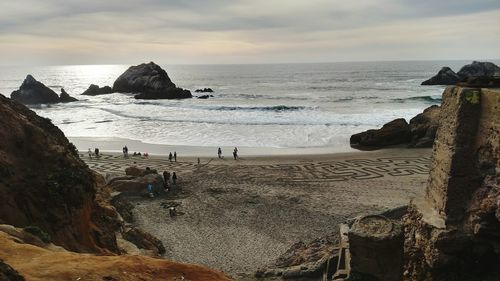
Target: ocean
[{"x": 272, "y": 106}]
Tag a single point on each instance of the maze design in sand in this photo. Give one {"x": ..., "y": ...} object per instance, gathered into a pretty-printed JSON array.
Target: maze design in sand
[{"x": 307, "y": 172}]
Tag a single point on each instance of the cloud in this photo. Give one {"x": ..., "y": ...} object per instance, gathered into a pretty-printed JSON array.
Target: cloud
[{"x": 213, "y": 31}]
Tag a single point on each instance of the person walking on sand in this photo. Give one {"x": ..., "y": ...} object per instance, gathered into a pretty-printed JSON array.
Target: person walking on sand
[
  {"x": 235, "y": 153},
  {"x": 219, "y": 152},
  {"x": 96, "y": 152},
  {"x": 174, "y": 178},
  {"x": 90, "y": 153},
  {"x": 175, "y": 156},
  {"x": 170, "y": 156}
]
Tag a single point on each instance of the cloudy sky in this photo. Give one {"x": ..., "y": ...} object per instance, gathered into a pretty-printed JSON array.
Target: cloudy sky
[{"x": 246, "y": 31}]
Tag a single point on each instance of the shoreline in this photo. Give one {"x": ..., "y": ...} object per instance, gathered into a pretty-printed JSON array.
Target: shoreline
[{"x": 115, "y": 145}]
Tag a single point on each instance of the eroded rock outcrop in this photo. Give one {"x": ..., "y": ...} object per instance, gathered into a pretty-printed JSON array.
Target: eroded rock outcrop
[
  {"x": 95, "y": 90},
  {"x": 392, "y": 133},
  {"x": 445, "y": 76},
  {"x": 65, "y": 97},
  {"x": 150, "y": 81},
  {"x": 477, "y": 68},
  {"x": 452, "y": 233},
  {"x": 32, "y": 91},
  {"x": 420, "y": 132},
  {"x": 423, "y": 127},
  {"x": 204, "y": 90}
]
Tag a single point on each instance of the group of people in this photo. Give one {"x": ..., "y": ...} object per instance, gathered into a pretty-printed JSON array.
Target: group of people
[
  {"x": 235, "y": 153},
  {"x": 167, "y": 179},
  {"x": 96, "y": 152},
  {"x": 174, "y": 156}
]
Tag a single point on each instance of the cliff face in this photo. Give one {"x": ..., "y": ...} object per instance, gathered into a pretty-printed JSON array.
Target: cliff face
[
  {"x": 453, "y": 233},
  {"x": 44, "y": 184}
]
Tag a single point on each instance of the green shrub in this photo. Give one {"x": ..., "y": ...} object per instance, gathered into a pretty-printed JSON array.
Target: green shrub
[{"x": 38, "y": 232}]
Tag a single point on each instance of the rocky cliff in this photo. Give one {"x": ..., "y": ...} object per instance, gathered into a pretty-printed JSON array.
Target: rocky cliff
[
  {"x": 453, "y": 233},
  {"x": 44, "y": 184}
]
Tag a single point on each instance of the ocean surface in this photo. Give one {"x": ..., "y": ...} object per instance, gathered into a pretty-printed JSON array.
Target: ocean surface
[{"x": 276, "y": 105}]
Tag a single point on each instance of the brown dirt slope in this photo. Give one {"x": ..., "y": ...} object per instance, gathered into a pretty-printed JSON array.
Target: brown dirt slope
[{"x": 36, "y": 264}]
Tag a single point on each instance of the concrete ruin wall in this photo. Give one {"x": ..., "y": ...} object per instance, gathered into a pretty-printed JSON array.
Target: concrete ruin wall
[{"x": 443, "y": 236}]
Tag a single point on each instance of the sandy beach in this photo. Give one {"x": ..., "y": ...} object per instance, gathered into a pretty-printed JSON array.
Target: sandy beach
[{"x": 237, "y": 216}]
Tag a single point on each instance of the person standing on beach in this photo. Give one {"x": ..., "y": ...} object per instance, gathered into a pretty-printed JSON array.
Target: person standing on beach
[
  {"x": 166, "y": 179},
  {"x": 175, "y": 156},
  {"x": 90, "y": 153},
  {"x": 96, "y": 152},
  {"x": 219, "y": 152},
  {"x": 235, "y": 153},
  {"x": 174, "y": 178},
  {"x": 170, "y": 156}
]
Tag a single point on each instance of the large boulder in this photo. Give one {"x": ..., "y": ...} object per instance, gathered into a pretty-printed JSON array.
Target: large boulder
[
  {"x": 423, "y": 127},
  {"x": 143, "y": 78},
  {"x": 95, "y": 90},
  {"x": 65, "y": 97},
  {"x": 34, "y": 92},
  {"x": 445, "y": 76},
  {"x": 150, "y": 81},
  {"x": 477, "y": 68},
  {"x": 44, "y": 184},
  {"x": 392, "y": 133}
]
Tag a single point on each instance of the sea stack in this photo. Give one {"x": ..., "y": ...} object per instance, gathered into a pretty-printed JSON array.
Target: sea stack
[
  {"x": 149, "y": 81},
  {"x": 446, "y": 76},
  {"x": 35, "y": 92},
  {"x": 95, "y": 90}
]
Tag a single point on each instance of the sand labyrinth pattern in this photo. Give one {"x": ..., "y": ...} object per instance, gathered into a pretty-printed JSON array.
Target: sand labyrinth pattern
[{"x": 310, "y": 172}]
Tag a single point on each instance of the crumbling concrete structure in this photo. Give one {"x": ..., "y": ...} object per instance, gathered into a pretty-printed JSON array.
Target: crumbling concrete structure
[{"x": 453, "y": 233}]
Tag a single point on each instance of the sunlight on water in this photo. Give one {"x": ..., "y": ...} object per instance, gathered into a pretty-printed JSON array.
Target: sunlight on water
[{"x": 294, "y": 105}]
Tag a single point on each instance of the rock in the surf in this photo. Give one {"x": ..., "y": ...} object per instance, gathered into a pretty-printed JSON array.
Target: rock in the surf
[
  {"x": 392, "y": 133},
  {"x": 95, "y": 90},
  {"x": 65, "y": 97},
  {"x": 204, "y": 90},
  {"x": 477, "y": 68},
  {"x": 34, "y": 92},
  {"x": 445, "y": 76},
  {"x": 150, "y": 81}
]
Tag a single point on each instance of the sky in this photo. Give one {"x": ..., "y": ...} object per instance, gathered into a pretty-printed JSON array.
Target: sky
[{"x": 55, "y": 32}]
